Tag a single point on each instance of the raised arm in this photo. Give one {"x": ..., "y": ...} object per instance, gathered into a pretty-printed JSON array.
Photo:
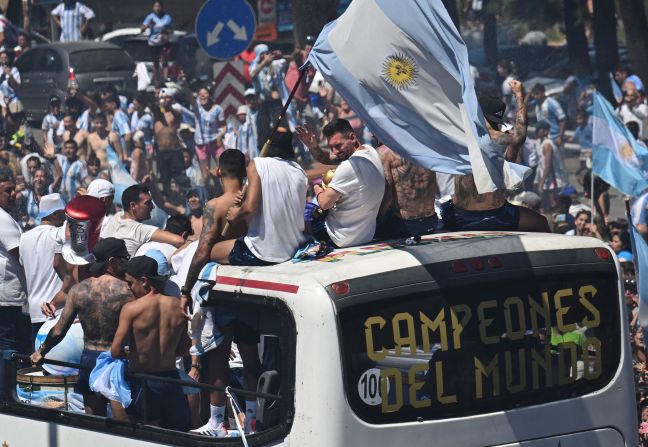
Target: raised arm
[
  {"x": 514, "y": 139},
  {"x": 310, "y": 141},
  {"x": 157, "y": 197}
]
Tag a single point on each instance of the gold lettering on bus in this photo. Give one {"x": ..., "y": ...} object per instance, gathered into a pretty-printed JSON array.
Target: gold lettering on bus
[
  {"x": 541, "y": 362},
  {"x": 562, "y": 311},
  {"x": 511, "y": 332},
  {"x": 485, "y": 322},
  {"x": 542, "y": 309},
  {"x": 567, "y": 369},
  {"x": 396, "y": 384},
  {"x": 481, "y": 370},
  {"x": 415, "y": 386},
  {"x": 371, "y": 351},
  {"x": 597, "y": 365},
  {"x": 458, "y": 326},
  {"x": 409, "y": 339},
  {"x": 583, "y": 294},
  {"x": 450, "y": 398},
  {"x": 428, "y": 325},
  {"x": 521, "y": 368}
]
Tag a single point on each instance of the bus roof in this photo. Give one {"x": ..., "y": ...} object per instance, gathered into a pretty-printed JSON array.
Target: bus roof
[{"x": 388, "y": 256}]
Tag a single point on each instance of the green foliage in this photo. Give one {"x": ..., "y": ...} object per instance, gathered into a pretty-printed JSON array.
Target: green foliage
[{"x": 538, "y": 14}]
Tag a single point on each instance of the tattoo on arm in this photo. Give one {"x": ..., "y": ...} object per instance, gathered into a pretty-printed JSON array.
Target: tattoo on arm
[
  {"x": 67, "y": 318},
  {"x": 208, "y": 237}
]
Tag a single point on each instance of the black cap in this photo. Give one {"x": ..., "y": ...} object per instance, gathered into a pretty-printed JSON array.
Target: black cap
[
  {"x": 193, "y": 193},
  {"x": 143, "y": 266},
  {"x": 493, "y": 109},
  {"x": 54, "y": 99},
  {"x": 105, "y": 249}
]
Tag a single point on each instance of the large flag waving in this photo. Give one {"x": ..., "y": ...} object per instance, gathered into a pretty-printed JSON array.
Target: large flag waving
[
  {"x": 640, "y": 249},
  {"x": 616, "y": 156},
  {"x": 403, "y": 68}
]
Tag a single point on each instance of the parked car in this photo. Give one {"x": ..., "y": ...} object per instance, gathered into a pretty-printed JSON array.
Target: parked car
[
  {"x": 44, "y": 71},
  {"x": 136, "y": 44}
]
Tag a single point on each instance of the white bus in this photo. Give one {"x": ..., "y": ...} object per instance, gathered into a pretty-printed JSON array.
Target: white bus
[{"x": 464, "y": 339}]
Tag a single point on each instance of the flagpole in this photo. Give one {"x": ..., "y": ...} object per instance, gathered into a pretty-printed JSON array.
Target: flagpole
[
  {"x": 592, "y": 196},
  {"x": 266, "y": 146}
]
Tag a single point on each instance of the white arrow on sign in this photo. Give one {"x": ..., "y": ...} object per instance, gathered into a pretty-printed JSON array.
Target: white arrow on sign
[
  {"x": 240, "y": 33},
  {"x": 212, "y": 36}
]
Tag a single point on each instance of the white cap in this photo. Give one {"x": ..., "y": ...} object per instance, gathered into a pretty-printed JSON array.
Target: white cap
[
  {"x": 242, "y": 110},
  {"x": 101, "y": 188},
  {"x": 49, "y": 204},
  {"x": 250, "y": 92},
  {"x": 169, "y": 92}
]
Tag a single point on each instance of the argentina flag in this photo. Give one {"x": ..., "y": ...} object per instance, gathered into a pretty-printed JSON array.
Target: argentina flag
[
  {"x": 616, "y": 156},
  {"x": 640, "y": 252},
  {"x": 403, "y": 68}
]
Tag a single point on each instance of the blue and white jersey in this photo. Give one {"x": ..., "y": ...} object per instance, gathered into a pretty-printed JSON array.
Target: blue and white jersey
[
  {"x": 247, "y": 141},
  {"x": 206, "y": 122},
  {"x": 552, "y": 112},
  {"x": 121, "y": 126},
  {"x": 144, "y": 124},
  {"x": 73, "y": 174},
  {"x": 639, "y": 211},
  {"x": 50, "y": 126},
  {"x": 156, "y": 25},
  {"x": 72, "y": 19},
  {"x": 6, "y": 89}
]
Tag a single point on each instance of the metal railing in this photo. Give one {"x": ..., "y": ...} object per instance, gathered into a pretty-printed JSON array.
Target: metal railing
[{"x": 14, "y": 356}]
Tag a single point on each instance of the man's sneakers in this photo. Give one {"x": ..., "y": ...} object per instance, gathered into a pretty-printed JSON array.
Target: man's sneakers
[{"x": 220, "y": 431}]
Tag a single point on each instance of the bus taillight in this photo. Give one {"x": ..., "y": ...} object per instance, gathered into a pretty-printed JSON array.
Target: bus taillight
[{"x": 603, "y": 253}]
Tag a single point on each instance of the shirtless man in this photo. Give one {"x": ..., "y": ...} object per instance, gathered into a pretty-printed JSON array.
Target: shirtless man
[
  {"x": 97, "y": 302},
  {"x": 71, "y": 131},
  {"x": 99, "y": 140},
  {"x": 407, "y": 209},
  {"x": 154, "y": 327},
  {"x": 470, "y": 210},
  {"x": 167, "y": 120}
]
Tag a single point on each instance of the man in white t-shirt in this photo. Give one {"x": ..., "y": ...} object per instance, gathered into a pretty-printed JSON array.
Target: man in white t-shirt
[
  {"x": 128, "y": 226},
  {"x": 354, "y": 195},
  {"x": 14, "y": 329},
  {"x": 45, "y": 268}
]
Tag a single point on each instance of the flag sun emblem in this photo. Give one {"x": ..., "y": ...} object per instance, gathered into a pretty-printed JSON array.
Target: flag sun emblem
[
  {"x": 400, "y": 71},
  {"x": 627, "y": 152}
]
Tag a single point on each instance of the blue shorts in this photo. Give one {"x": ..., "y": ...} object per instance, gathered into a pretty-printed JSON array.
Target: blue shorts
[
  {"x": 505, "y": 218},
  {"x": 392, "y": 226},
  {"x": 89, "y": 359},
  {"x": 165, "y": 402},
  {"x": 241, "y": 255}
]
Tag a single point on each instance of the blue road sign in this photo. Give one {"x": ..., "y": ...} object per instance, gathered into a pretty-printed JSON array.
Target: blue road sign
[{"x": 225, "y": 28}]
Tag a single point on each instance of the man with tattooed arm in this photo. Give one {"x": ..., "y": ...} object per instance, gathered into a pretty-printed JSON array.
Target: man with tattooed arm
[
  {"x": 97, "y": 302},
  {"x": 469, "y": 210}
]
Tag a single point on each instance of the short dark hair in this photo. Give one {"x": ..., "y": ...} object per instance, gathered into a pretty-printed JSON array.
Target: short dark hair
[
  {"x": 141, "y": 97},
  {"x": 232, "y": 164},
  {"x": 112, "y": 98},
  {"x": 621, "y": 69},
  {"x": 131, "y": 195},
  {"x": 6, "y": 175},
  {"x": 93, "y": 160},
  {"x": 36, "y": 159},
  {"x": 587, "y": 213},
  {"x": 71, "y": 142},
  {"x": 337, "y": 126},
  {"x": 538, "y": 88},
  {"x": 179, "y": 224},
  {"x": 100, "y": 117}
]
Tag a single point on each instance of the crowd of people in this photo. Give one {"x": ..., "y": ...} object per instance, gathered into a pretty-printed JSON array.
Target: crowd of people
[{"x": 111, "y": 216}]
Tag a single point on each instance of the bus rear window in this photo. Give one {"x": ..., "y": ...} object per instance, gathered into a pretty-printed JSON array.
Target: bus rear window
[{"x": 460, "y": 352}]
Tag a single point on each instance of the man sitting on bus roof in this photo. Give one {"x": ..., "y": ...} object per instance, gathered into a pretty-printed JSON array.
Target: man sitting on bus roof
[
  {"x": 97, "y": 301},
  {"x": 155, "y": 328},
  {"x": 469, "y": 210}
]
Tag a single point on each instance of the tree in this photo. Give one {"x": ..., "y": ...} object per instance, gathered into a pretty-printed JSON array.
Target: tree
[
  {"x": 605, "y": 43},
  {"x": 576, "y": 40},
  {"x": 490, "y": 31},
  {"x": 310, "y": 16},
  {"x": 451, "y": 6},
  {"x": 635, "y": 25}
]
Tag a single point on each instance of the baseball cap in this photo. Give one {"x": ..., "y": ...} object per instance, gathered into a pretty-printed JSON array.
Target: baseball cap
[
  {"x": 54, "y": 99},
  {"x": 568, "y": 190},
  {"x": 167, "y": 91},
  {"x": 163, "y": 268},
  {"x": 242, "y": 110},
  {"x": 101, "y": 188},
  {"x": 493, "y": 109},
  {"x": 143, "y": 266},
  {"x": 185, "y": 126},
  {"x": 250, "y": 92},
  {"x": 50, "y": 204},
  {"x": 105, "y": 249}
]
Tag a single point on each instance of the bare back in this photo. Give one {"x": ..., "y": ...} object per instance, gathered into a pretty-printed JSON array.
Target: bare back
[
  {"x": 158, "y": 330},
  {"x": 98, "y": 302}
]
